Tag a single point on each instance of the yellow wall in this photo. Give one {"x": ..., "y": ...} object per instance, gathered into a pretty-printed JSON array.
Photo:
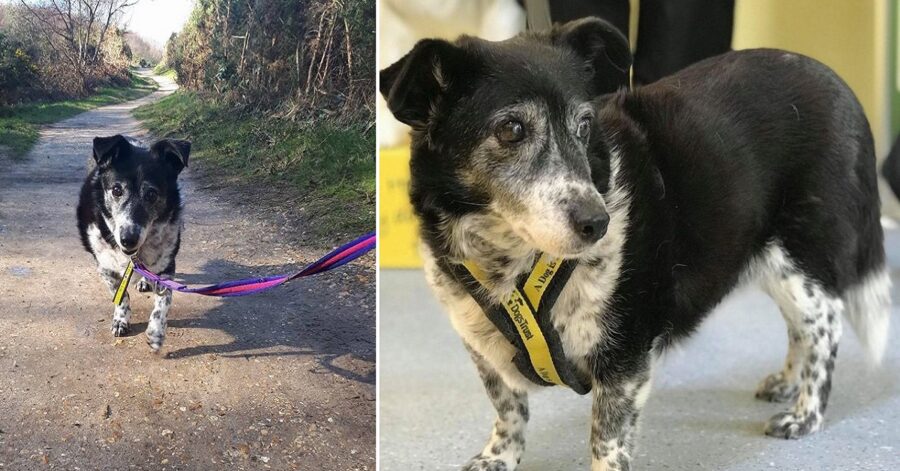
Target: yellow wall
[
  {"x": 397, "y": 227},
  {"x": 850, "y": 36}
]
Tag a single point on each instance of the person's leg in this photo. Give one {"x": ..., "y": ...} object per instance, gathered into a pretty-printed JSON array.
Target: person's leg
[
  {"x": 673, "y": 34},
  {"x": 890, "y": 169},
  {"x": 616, "y": 12}
]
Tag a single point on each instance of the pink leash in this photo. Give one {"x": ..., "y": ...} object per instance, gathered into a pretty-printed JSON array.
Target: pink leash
[{"x": 337, "y": 257}]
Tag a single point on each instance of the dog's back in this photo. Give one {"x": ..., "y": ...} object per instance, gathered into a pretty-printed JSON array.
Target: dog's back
[{"x": 754, "y": 148}]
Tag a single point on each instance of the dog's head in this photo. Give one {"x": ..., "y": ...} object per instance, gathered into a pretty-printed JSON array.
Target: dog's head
[
  {"x": 139, "y": 185},
  {"x": 504, "y": 128}
]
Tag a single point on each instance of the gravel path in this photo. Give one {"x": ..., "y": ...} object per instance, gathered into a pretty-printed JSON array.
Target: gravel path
[{"x": 280, "y": 380}]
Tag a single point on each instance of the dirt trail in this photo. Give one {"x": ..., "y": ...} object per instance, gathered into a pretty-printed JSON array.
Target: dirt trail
[{"x": 280, "y": 380}]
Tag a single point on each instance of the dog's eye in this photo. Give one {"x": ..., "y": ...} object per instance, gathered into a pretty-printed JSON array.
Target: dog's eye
[
  {"x": 511, "y": 132},
  {"x": 584, "y": 128},
  {"x": 151, "y": 195},
  {"x": 117, "y": 190}
]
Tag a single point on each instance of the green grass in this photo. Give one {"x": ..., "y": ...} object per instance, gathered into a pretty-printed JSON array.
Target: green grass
[
  {"x": 326, "y": 168},
  {"x": 170, "y": 73},
  {"x": 20, "y": 125},
  {"x": 165, "y": 71}
]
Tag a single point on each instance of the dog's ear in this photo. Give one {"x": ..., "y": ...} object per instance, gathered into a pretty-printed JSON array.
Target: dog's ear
[
  {"x": 173, "y": 151},
  {"x": 602, "y": 46},
  {"x": 414, "y": 83},
  {"x": 107, "y": 149}
]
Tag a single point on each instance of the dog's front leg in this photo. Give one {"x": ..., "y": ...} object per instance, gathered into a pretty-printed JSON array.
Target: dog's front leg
[
  {"x": 507, "y": 443},
  {"x": 617, "y": 404},
  {"x": 156, "y": 327},
  {"x": 122, "y": 311}
]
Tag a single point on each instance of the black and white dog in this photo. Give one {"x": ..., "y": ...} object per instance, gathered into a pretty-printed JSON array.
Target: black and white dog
[
  {"x": 753, "y": 166},
  {"x": 130, "y": 206}
]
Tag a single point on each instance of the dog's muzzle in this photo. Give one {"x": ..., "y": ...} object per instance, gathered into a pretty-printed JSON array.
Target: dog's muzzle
[
  {"x": 130, "y": 238},
  {"x": 589, "y": 220}
]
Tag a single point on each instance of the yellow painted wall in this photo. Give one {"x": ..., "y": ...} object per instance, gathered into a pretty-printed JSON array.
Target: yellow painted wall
[
  {"x": 850, "y": 36},
  {"x": 397, "y": 227}
]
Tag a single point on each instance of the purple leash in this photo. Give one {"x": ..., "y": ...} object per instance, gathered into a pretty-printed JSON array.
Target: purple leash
[{"x": 337, "y": 257}]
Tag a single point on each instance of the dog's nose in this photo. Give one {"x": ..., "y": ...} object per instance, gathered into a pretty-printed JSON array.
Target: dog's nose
[
  {"x": 589, "y": 223},
  {"x": 129, "y": 238}
]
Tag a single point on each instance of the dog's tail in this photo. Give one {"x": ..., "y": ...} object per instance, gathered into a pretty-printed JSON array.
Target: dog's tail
[{"x": 868, "y": 308}]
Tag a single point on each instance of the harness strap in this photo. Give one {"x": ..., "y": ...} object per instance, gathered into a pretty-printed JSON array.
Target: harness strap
[
  {"x": 123, "y": 285},
  {"x": 524, "y": 319}
]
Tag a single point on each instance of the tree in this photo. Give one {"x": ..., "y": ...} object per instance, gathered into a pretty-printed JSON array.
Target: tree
[
  {"x": 143, "y": 50},
  {"x": 76, "y": 30}
]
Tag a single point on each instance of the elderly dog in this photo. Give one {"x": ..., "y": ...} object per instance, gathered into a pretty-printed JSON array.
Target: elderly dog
[
  {"x": 130, "y": 206},
  {"x": 753, "y": 166}
]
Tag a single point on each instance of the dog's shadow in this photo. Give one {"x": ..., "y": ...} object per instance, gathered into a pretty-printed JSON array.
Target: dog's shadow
[{"x": 330, "y": 317}]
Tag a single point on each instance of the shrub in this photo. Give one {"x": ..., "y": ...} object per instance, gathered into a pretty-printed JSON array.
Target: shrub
[
  {"x": 308, "y": 58},
  {"x": 18, "y": 72}
]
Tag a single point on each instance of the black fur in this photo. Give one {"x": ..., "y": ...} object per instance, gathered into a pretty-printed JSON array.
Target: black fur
[
  {"x": 130, "y": 206},
  {"x": 117, "y": 159},
  {"x": 720, "y": 158},
  {"x": 730, "y": 156},
  {"x": 752, "y": 147}
]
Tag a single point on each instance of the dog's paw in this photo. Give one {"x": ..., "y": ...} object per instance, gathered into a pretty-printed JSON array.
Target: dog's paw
[
  {"x": 144, "y": 286},
  {"x": 486, "y": 463},
  {"x": 155, "y": 340},
  {"x": 793, "y": 425},
  {"x": 776, "y": 389},
  {"x": 119, "y": 328}
]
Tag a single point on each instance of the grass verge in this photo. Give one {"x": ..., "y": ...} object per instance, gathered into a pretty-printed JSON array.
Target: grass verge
[
  {"x": 20, "y": 125},
  {"x": 165, "y": 71},
  {"x": 321, "y": 173}
]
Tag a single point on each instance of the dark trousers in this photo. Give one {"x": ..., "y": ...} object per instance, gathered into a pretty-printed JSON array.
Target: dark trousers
[
  {"x": 672, "y": 34},
  {"x": 890, "y": 169}
]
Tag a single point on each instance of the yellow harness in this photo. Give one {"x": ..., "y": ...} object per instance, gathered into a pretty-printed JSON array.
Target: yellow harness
[
  {"x": 524, "y": 318},
  {"x": 123, "y": 285}
]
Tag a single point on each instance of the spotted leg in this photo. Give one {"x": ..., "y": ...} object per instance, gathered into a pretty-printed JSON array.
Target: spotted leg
[
  {"x": 813, "y": 317},
  {"x": 782, "y": 386},
  {"x": 156, "y": 326},
  {"x": 144, "y": 286},
  {"x": 507, "y": 443},
  {"x": 616, "y": 407},
  {"x": 122, "y": 311}
]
